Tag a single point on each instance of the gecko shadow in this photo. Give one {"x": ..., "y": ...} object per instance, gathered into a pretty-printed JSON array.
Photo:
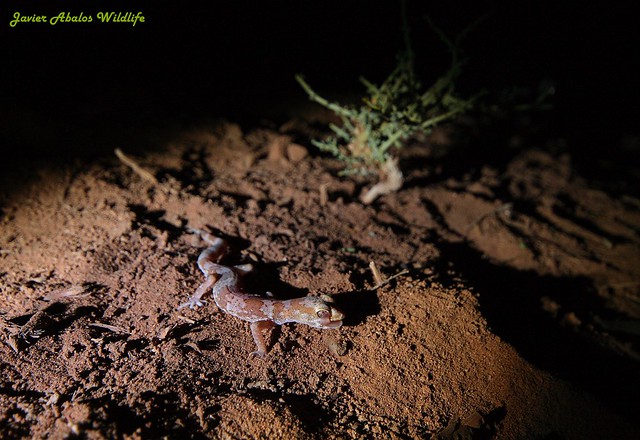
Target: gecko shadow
[
  {"x": 265, "y": 278},
  {"x": 357, "y": 305}
]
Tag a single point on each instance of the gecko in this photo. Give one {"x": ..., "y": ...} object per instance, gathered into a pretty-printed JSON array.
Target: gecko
[{"x": 261, "y": 312}]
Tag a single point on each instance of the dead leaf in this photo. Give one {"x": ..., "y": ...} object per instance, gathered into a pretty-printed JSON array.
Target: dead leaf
[
  {"x": 194, "y": 346},
  {"x": 164, "y": 331},
  {"x": 73, "y": 291}
]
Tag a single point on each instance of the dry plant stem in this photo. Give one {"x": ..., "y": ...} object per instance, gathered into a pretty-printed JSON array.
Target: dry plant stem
[
  {"x": 391, "y": 278},
  {"x": 391, "y": 181},
  {"x": 324, "y": 196},
  {"x": 146, "y": 175},
  {"x": 187, "y": 320},
  {"x": 113, "y": 328},
  {"x": 377, "y": 276}
]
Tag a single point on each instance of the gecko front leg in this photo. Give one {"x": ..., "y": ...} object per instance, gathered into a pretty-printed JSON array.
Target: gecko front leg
[
  {"x": 257, "y": 329},
  {"x": 196, "y": 300}
]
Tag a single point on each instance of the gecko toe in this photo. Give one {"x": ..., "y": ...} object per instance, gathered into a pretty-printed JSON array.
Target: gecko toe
[
  {"x": 192, "y": 304},
  {"x": 259, "y": 354}
]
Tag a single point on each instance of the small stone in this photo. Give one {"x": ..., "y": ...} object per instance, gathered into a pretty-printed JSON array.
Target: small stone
[{"x": 296, "y": 153}]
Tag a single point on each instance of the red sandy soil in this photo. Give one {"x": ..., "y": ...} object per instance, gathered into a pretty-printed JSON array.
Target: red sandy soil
[{"x": 514, "y": 314}]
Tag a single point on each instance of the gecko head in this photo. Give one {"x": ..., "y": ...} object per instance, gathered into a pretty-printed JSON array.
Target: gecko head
[{"x": 324, "y": 314}]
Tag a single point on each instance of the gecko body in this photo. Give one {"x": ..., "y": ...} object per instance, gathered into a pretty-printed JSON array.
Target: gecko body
[{"x": 225, "y": 285}]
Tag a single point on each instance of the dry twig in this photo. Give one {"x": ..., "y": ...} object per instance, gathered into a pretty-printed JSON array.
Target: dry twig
[
  {"x": 187, "y": 320},
  {"x": 113, "y": 328},
  {"x": 146, "y": 175},
  {"x": 378, "y": 278},
  {"x": 324, "y": 196}
]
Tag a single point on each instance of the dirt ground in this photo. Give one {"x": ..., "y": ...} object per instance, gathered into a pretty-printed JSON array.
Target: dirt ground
[{"x": 511, "y": 308}]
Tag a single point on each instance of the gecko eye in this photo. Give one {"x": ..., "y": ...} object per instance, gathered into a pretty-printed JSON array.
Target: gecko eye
[{"x": 324, "y": 314}]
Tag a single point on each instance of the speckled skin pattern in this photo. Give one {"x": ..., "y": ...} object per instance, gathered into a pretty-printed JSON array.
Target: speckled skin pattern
[{"x": 262, "y": 313}]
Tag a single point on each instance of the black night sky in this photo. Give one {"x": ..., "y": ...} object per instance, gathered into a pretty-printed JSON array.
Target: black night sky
[{"x": 237, "y": 59}]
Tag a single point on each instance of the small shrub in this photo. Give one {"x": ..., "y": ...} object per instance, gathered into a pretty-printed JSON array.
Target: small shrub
[{"x": 371, "y": 133}]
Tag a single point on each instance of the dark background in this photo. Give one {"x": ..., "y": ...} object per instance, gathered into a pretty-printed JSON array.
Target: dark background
[{"x": 79, "y": 88}]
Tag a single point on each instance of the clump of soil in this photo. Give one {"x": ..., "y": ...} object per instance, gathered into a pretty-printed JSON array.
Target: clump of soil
[{"x": 516, "y": 315}]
